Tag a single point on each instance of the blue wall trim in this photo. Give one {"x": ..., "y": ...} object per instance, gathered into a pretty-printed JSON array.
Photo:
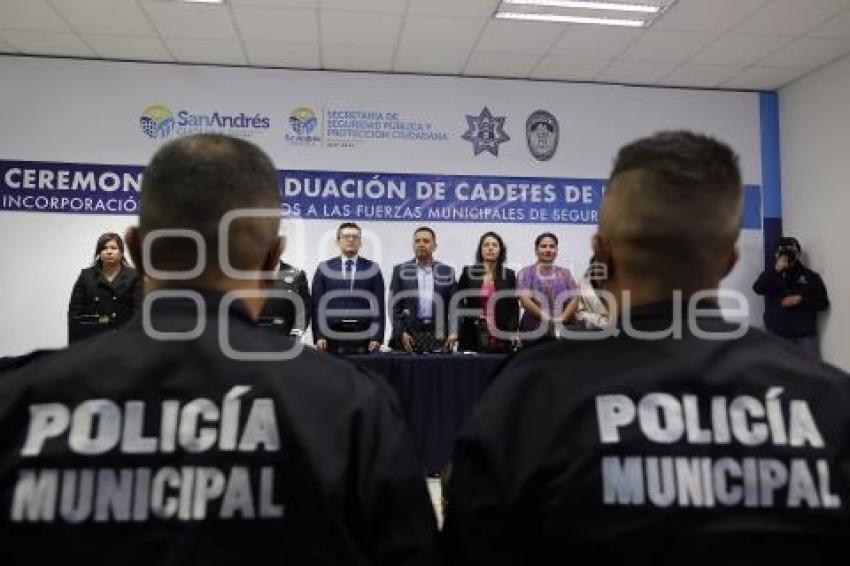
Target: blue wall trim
[{"x": 771, "y": 172}]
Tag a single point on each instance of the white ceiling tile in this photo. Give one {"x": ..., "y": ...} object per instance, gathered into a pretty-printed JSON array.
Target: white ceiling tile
[
  {"x": 264, "y": 24},
  {"x": 434, "y": 61},
  {"x": 30, "y": 15},
  {"x": 190, "y": 21},
  {"x": 356, "y": 57},
  {"x": 739, "y": 49},
  {"x": 428, "y": 32},
  {"x": 702, "y": 15},
  {"x": 376, "y": 6},
  {"x": 790, "y": 17},
  {"x": 459, "y": 8},
  {"x": 129, "y": 48},
  {"x": 807, "y": 52},
  {"x": 763, "y": 78},
  {"x": 44, "y": 43},
  {"x": 281, "y": 54},
  {"x": 308, "y": 4},
  {"x": 595, "y": 41},
  {"x": 5, "y": 46},
  {"x": 484, "y": 64},
  {"x": 519, "y": 37},
  {"x": 839, "y": 26},
  {"x": 665, "y": 45},
  {"x": 633, "y": 72},
  {"x": 352, "y": 28},
  {"x": 558, "y": 67},
  {"x": 212, "y": 51},
  {"x": 105, "y": 17},
  {"x": 700, "y": 76}
]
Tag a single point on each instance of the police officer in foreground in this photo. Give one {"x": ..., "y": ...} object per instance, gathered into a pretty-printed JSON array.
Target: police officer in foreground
[
  {"x": 182, "y": 439},
  {"x": 709, "y": 443}
]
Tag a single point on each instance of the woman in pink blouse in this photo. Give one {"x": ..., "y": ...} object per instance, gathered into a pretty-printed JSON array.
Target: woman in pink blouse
[{"x": 490, "y": 287}]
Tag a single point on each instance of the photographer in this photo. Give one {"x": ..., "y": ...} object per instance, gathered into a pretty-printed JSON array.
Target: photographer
[{"x": 793, "y": 295}]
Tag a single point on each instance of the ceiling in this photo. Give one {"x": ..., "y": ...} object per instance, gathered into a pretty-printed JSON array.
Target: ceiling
[{"x": 735, "y": 44}]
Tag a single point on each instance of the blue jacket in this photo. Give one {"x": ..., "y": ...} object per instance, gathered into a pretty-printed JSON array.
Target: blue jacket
[{"x": 329, "y": 277}]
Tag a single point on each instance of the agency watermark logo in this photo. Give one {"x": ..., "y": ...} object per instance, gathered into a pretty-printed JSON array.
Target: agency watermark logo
[
  {"x": 485, "y": 132},
  {"x": 157, "y": 121},
  {"x": 541, "y": 134},
  {"x": 303, "y": 125}
]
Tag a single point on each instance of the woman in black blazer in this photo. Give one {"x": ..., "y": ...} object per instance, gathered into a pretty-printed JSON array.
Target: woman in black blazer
[
  {"x": 107, "y": 294},
  {"x": 487, "y": 276}
]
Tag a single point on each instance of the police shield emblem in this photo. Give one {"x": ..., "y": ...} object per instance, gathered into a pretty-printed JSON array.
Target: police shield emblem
[{"x": 542, "y": 132}]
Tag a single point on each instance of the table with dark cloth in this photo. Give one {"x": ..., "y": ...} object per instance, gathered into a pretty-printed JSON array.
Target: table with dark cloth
[{"x": 437, "y": 392}]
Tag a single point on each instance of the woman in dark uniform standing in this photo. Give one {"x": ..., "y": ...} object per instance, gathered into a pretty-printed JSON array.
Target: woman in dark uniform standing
[{"x": 107, "y": 294}]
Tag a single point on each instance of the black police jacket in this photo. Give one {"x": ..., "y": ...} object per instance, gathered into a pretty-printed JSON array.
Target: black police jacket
[
  {"x": 655, "y": 451},
  {"x": 134, "y": 449},
  {"x": 284, "y": 313},
  {"x": 801, "y": 319}
]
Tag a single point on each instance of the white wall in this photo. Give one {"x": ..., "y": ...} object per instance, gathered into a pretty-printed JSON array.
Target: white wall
[
  {"x": 815, "y": 149},
  {"x": 88, "y": 112}
]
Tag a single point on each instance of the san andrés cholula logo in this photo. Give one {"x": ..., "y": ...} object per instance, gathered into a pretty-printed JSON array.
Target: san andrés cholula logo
[{"x": 158, "y": 122}]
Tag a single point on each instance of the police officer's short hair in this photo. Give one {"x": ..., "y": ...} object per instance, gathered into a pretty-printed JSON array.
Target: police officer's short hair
[
  {"x": 678, "y": 205},
  {"x": 192, "y": 182}
]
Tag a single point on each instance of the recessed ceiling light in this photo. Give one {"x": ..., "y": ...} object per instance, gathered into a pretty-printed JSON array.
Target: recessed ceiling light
[
  {"x": 610, "y": 6},
  {"x": 569, "y": 19},
  {"x": 202, "y": 1}
]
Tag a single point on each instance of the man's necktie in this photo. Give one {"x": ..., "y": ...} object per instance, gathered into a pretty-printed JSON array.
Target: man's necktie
[{"x": 349, "y": 272}]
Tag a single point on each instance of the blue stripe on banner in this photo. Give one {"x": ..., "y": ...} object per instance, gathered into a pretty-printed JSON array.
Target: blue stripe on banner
[
  {"x": 114, "y": 189},
  {"x": 79, "y": 188},
  {"x": 771, "y": 172},
  {"x": 752, "y": 219}
]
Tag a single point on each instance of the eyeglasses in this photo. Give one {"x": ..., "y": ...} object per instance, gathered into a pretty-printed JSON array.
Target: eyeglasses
[{"x": 349, "y": 236}]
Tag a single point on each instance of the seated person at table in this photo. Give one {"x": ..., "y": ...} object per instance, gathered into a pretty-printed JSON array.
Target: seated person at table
[
  {"x": 420, "y": 294},
  {"x": 488, "y": 288},
  {"x": 590, "y": 310},
  {"x": 543, "y": 292},
  {"x": 107, "y": 294},
  {"x": 350, "y": 320}
]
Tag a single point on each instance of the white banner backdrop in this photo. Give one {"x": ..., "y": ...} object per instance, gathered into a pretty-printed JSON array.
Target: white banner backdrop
[{"x": 62, "y": 114}]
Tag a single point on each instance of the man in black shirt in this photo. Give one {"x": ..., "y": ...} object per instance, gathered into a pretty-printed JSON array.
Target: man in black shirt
[
  {"x": 674, "y": 437},
  {"x": 191, "y": 436},
  {"x": 793, "y": 297}
]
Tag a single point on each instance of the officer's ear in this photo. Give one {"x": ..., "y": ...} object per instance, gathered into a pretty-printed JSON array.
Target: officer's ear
[
  {"x": 602, "y": 253},
  {"x": 270, "y": 262},
  {"x": 133, "y": 243},
  {"x": 731, "y": 261}
]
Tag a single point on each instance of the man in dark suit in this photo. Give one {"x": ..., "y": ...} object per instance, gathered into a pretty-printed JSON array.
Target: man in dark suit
[
  {"x": 420, "y": 293},
  {"x": 351, "y": 318}
]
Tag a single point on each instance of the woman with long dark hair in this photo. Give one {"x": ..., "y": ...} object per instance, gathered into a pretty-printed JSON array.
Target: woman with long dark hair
[
  {"x": 490, "y": 288},
  {"x": 544, "y": 290},
  {"x": 106, "y": 294}
]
